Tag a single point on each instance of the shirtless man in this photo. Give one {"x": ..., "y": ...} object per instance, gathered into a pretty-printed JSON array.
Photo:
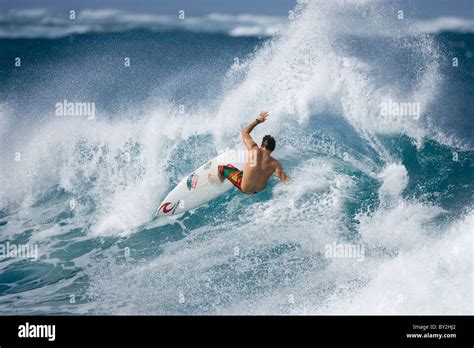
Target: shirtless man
[{"x": 260, "y": 165}]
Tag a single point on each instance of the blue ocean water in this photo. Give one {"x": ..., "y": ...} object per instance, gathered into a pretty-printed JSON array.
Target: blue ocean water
[{"x": 83, "y": 190}]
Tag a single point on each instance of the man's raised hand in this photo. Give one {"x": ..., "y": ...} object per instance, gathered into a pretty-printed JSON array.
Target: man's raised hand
[{"x": 262, "y": 117}]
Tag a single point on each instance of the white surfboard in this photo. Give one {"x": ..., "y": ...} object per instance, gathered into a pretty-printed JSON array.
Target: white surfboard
[{"x": 196, "y": 189}]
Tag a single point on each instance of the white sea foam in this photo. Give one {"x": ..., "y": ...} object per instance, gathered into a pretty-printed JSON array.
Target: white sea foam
[{"x": 433, "y": 276}]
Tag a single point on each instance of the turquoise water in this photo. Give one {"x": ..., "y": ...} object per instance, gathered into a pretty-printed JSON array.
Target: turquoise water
[{"x": 83, "y": 190}]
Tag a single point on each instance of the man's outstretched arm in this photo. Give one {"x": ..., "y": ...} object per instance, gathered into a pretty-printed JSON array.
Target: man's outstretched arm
[{"x": 247, "y": 139}]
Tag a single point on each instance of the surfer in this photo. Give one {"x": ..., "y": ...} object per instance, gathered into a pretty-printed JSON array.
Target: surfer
[{"x": 259, "y": 166}]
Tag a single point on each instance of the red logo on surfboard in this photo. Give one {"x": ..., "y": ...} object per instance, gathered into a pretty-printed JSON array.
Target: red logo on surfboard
[{"x": 166, "y": 209}]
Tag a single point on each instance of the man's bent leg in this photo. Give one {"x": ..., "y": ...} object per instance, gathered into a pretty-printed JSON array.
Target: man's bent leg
[{"x": 232, "y": 174}]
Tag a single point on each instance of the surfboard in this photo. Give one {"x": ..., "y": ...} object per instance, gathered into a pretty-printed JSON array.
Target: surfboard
[{"x": 196, "y": 189}]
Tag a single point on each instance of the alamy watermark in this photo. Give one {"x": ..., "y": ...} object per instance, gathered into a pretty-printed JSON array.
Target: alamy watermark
[
  {"x": 66, "y": 108},
  {"x": 397, "y": 109},
  {"x": 240, "y": 156},
  {"x": 354, "y": 251},
  {"x": 20, "y": 251},
  {"x": 37, "y": 331}
]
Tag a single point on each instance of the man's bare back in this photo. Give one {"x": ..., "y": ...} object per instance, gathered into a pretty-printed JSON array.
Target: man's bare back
[{"x": 259, "y": 166}]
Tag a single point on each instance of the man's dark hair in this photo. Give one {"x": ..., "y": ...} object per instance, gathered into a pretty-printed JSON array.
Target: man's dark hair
[{"x": 268, "y": 142}]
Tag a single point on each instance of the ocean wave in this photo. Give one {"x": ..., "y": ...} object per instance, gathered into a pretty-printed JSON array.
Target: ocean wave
[
  {"x": 446, "y": 24},
  {"x": 43, "y": 23},
  {"x": 84, "y": 190}
]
